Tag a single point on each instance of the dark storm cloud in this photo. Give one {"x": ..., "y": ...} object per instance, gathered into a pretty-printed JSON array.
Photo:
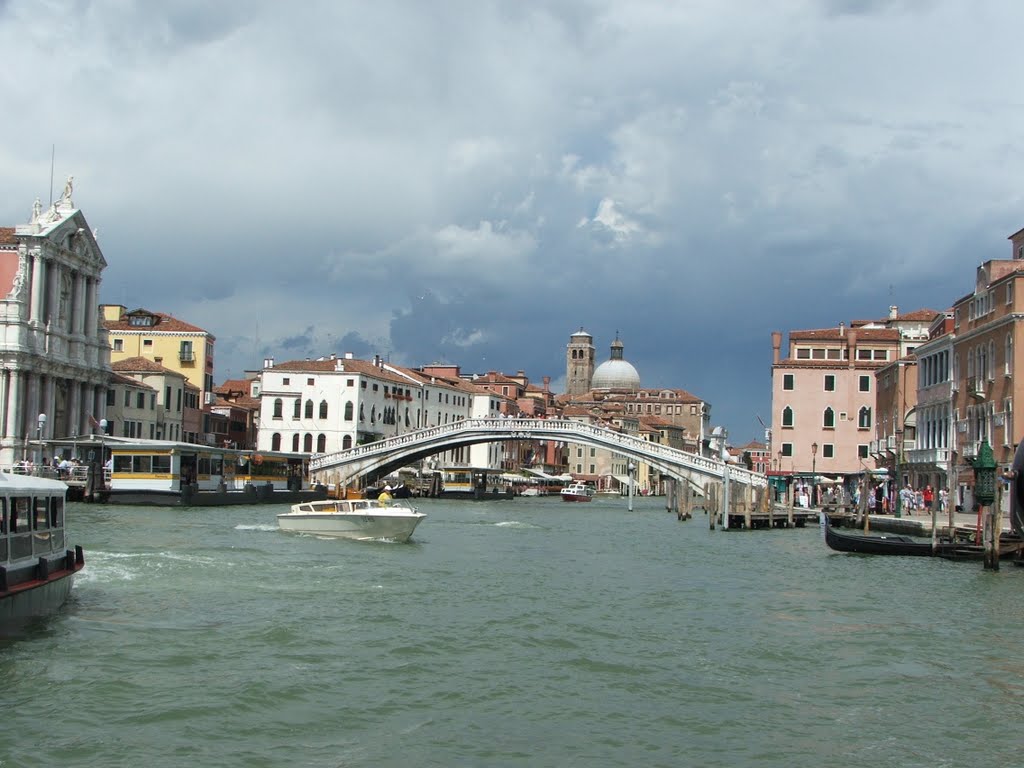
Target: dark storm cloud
[{"x": 473, "y": 182}]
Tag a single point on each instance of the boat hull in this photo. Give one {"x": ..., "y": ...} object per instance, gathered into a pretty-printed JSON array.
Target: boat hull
[
  {"x": 392, "y": 523},
  {"x": 576, "y": 497},
  {"x": 27, "y": 595},
  {"x": 882, "y": 544},
  {"x": 171, "y": 498}
]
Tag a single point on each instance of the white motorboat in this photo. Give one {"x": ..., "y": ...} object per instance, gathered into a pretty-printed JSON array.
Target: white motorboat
[
  {"x": 362, "y": 519},
  {"x": 577, "y": 491},
  {"x": 36, "y": 564}
]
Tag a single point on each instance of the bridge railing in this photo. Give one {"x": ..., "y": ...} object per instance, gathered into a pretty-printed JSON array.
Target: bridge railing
[{"x": 563, "y": 429}]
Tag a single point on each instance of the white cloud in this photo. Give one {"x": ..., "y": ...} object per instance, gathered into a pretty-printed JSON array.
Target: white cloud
[{"x": 324, "y": 165}]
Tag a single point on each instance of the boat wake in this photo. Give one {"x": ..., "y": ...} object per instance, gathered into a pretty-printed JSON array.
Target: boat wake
[{"x": 256, "y": 527}]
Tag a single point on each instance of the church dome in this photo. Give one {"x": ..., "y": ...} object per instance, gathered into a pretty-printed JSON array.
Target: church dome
[{"x": 616, "y": 373}]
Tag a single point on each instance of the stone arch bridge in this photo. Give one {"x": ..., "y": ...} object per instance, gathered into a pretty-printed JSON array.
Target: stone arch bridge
[{"x": 389, "y": 454}]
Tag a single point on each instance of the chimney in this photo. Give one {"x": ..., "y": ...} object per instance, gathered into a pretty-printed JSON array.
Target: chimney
[
  {"x": 893, "y": 312},
  {"x": 547, "y": 382},
  {"x": 851, "y": 347},
  {"x": 776, "y": 346},
  {"x": 842, "y": 329}
]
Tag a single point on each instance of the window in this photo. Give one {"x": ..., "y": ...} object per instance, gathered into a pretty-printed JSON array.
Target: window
[
  {"x": 309, "y": 382},
  {"x": 147, "y": 343},
  {"x": 286, "y": 381},
  {"x": 348, "y": 411},
  {"x": 787, "y": 417},
  {"x": 278, "y": 407},
  {"x": 119, "y": 345},
  {"x": 309, "y": 410},
  {"x": 297, "y": 409},
  {"x": 167, "y": 398},
  {"x": 864, "y": 384},
  {"x": 828, "y": 451},
  {"x": 830, "y": 382},
  {"x": 828, "y": 420},
  {"x": 321, "y": 443},
  {"x": 140, "y": 400},
  {"x": 323, "y": 410},
  {"x": 185, "y": 352},
  {"x": 864, "y": 418},
  {"x": 862, "y": 451},
  {"x": 307, "y": 443},
  {"x": 275, "y": 441},
  {"x": 127, "y": 399},
  {"x": 787, "y": 381},
  {"x": 346, "y": 442},
  {"x": 787, "y": 449}
]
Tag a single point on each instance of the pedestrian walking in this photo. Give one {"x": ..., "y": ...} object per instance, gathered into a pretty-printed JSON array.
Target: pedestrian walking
[{"x": 927, "y": 496}]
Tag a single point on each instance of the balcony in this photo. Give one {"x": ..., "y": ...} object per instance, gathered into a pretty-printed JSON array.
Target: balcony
[
  {"x": 977, "y": 387},
  {"x": 186, "y": 356},
  {"x": 928, "y": 456}
]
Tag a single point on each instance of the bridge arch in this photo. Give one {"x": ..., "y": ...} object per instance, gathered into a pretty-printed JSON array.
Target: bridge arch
[{"x": 391, "y": 453}]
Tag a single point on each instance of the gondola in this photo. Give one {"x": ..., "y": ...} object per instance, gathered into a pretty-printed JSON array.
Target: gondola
[{"x": 880, "y": 544}]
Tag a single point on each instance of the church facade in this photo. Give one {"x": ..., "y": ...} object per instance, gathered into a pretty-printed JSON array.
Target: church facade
[{"x": 56, "y": 361}]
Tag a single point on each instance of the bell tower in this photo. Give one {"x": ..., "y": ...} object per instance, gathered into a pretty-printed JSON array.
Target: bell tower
[{"x": 579, "y": 363}]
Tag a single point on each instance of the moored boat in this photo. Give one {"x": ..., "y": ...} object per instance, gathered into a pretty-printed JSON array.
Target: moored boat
[
  {"x": 577, "y": 491},
  {"x": 361, "y": 519},
  {"x": 169, "y": 473},
  {"x": 36, "y": 564}
]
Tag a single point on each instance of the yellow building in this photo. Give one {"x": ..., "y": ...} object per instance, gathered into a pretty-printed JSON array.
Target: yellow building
[{"x": 166, "y": 340}]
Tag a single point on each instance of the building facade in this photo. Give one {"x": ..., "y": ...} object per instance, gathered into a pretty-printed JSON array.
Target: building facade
[
  {"x": 56, "y": 362},
  {"x": 164, "y": 339}
]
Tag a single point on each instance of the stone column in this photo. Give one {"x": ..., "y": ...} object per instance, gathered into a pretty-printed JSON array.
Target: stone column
[
  {"x": 90, "y": 316},
  {"x": 77, "y": 297},
  {"x": 53, "y": 273},
  {"x": 38, "y": 279},
  {"x": 75, "y": 408}
]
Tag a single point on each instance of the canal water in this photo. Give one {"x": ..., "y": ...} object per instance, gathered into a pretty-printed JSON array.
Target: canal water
[{"x": 510, "y": 633}]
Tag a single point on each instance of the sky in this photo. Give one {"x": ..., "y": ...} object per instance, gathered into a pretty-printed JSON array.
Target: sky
[{"x": 472, "y": 182}]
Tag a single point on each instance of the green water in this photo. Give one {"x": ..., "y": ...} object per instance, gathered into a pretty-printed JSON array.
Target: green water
[{"x": 522, "y": 633}]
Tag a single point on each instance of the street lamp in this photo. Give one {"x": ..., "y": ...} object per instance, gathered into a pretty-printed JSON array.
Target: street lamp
[
  {"x": 103, "y": 451},
  {"x": 40, "y": 424},
  {"x": 814, "y": 474}
]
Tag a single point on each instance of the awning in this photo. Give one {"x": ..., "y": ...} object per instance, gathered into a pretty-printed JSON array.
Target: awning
[
  {"x": 623, "y": 479},
  {"x": 541, "y": 475}
]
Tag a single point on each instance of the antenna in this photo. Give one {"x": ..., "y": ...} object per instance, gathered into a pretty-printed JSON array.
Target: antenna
[{"x": 53, "y": 154}]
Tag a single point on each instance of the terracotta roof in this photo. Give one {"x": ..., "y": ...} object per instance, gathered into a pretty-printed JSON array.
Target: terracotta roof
[
  {"x": 7, "y": 236},
  {"x": 142, "y": 365},
  {"x": 922, "y": 315},
  {"x": 165, "y": 324},
  {"x": 834, "y": 334},
  {"x": 117, "y": 378}
]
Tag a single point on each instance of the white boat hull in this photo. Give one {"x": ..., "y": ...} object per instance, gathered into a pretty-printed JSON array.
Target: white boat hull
[{"x": 339, "y": 519}]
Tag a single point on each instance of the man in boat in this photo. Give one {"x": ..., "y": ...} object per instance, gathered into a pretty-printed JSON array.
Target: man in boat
[{"x": 385, "y": 496}]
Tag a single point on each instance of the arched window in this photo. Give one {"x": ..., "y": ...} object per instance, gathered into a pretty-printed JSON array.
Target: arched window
[
  {"x": 787, "y": 417},
  {"x": 828, "y": 420},
  {"x": 321, "y": 443},
  {"x": 346, "y": 442},
  {"x": 407, "y": 417},
  {"x": 362, "y": 414},
  {"x": 278, "y": 408},
  {"x": 373, "y": 414},
  {"x": 348, "y": 411},
  {"x": 309, "y": 409},
  {"x": 297, "y": 409},
  {"x": 864, "y": 418},
  {"x": 307, "y": 443},
  {"x": 323, "y": 409},
  {"x": 275, "y": 441},
  {"x": 295, "y": 443}
]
